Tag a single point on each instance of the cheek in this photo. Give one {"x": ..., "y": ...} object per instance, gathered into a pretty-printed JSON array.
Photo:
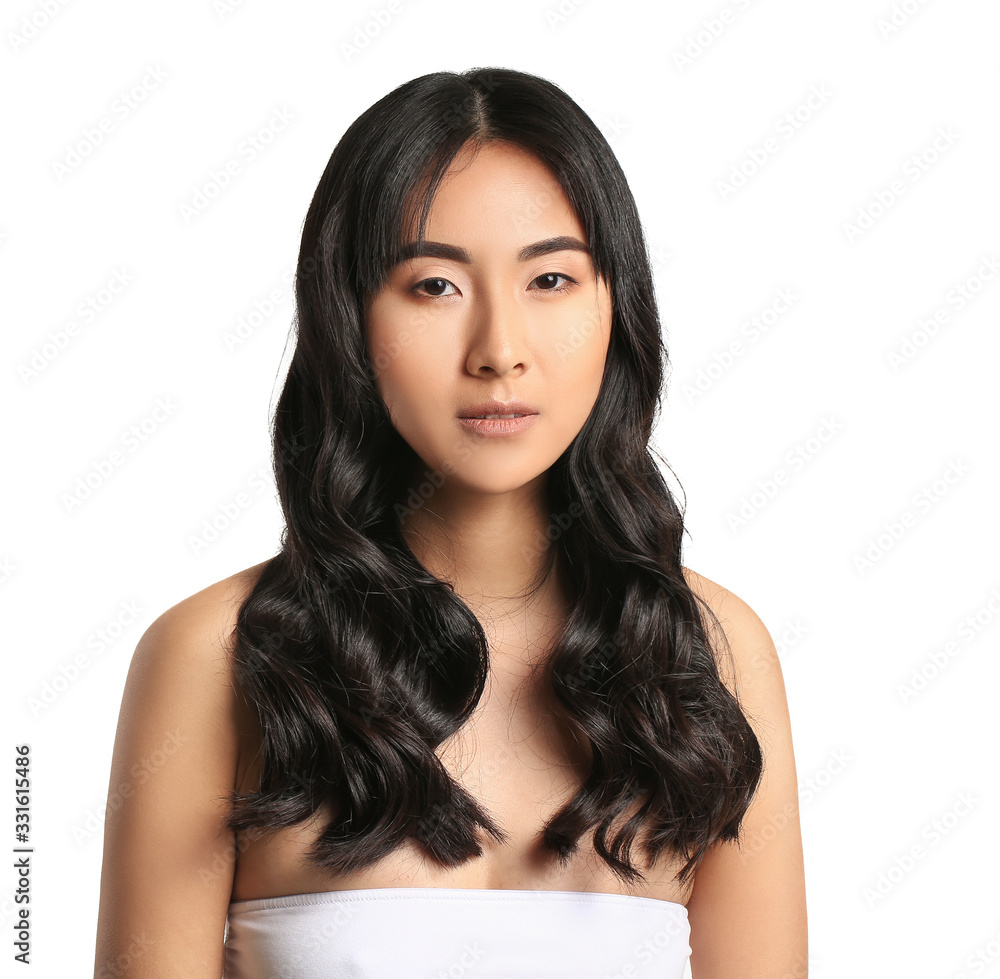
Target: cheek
[
  {"x": 575, "y": 362},
  {"x": 408, "y": 373},
  {"x": 399, "y": 360},
  {"x": 402, "y": 380}
]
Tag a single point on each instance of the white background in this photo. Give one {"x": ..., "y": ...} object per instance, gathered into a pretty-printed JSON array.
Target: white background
[{"x": 887, "y": 743}]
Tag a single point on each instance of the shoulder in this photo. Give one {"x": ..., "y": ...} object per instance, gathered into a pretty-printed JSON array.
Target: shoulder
[
  {"x": 746, "y": 653},
  {"x": 181, "y": 673},
  {"x": 169, "y": 857},
  {"x": 188, "y": 647},
  {"x": 196, "y": 632},
  {"x": 747, "y": 910},
  {"x": 211, "y": 612},
  {"x": 726, "y": 605}
]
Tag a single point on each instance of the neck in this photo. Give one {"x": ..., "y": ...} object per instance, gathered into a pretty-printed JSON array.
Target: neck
[
  {"x": 494, "y": 551},
  {"x": 492, "y": 548}
]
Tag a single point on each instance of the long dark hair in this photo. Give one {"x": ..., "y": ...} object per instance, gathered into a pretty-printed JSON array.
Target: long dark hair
[{"x": 357, "y": 660}]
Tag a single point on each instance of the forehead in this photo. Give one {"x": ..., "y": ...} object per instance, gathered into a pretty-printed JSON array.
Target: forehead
[{"x": 498, "y": 196}]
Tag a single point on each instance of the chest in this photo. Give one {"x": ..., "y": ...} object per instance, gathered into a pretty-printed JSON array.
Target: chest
[{"x": 517, "y": 756}]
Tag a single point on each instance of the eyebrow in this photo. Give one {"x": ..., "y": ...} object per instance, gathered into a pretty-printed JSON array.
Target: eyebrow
[{"x": 438, "y": 249}]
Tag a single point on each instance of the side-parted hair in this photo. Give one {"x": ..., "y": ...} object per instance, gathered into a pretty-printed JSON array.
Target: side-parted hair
[{"x": 356, "y": 659}]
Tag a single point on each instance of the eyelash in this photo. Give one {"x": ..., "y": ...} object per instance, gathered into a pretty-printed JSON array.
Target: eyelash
[{"x": 570, "y": 281}]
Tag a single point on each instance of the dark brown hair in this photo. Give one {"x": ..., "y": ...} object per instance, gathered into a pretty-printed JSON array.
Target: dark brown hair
[{"x": 357, "y": 660}]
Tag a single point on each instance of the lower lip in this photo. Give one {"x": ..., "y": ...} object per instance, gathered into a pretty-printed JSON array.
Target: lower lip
[{"x": 498, "y": 426}]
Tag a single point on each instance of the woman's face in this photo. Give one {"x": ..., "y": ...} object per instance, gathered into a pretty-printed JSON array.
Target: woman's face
[{"x": 486, "y": 319}]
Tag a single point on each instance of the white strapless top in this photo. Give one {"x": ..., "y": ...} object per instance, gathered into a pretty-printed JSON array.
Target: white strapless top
[{"x": 475, "y": 933}]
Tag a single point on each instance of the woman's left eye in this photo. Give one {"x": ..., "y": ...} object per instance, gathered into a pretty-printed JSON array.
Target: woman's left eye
[{"x": 555, "y": 275}]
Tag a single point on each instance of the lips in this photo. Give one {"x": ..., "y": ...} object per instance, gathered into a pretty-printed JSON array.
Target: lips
[{"x": 486, "y": 408}]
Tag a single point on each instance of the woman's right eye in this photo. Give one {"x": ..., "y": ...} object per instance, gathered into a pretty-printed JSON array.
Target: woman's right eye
[{"x": 432, "y": 286}]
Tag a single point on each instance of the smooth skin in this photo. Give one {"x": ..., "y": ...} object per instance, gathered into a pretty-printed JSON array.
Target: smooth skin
[
  {"x": 445, "y": 334},
  {"x": 496, "y": 328}
]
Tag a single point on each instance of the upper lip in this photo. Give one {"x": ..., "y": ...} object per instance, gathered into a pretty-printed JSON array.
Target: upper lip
[{"x": 498, "y": 408}]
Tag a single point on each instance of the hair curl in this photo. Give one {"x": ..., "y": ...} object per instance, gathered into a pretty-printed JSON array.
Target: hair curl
[{"x": 357, "y": 660}]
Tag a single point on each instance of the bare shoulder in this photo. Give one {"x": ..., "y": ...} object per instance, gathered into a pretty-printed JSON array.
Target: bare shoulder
[
  {"x": 169, "y": 858},
  {"x": 754, "y": 658},
  {"x": 721, "y": 600},
  {"x": 746, "y": 655},
  {"x": 198, "y": 630},
  {"x": 747, "y": 909},
  {"x": 211, "y": 612},
  {"x": 193, "y": 636}
]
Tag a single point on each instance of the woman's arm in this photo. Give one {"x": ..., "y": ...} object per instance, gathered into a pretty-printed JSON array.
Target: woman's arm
[
  {"x": 168, "y": 859},
  {"x": 748, "y": 908}
]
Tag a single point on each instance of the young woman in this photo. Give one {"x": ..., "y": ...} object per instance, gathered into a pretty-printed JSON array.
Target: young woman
[{"x": 474, "y": 718}]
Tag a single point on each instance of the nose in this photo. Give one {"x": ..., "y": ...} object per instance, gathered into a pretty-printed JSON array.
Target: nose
[{"x": 497, "y": 336}]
